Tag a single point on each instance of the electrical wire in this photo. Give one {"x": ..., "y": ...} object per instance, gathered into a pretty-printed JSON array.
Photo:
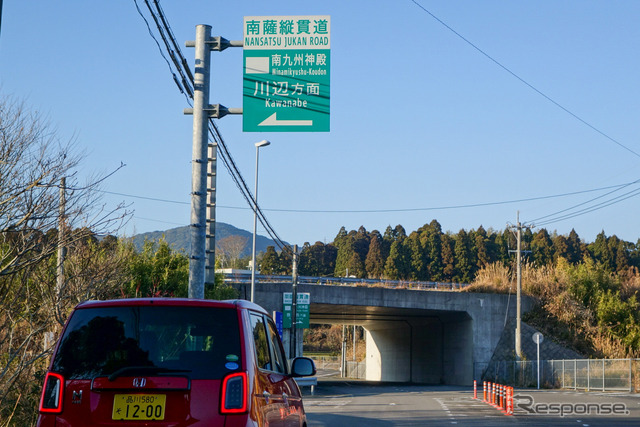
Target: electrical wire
[
  {"x": 522, "y": 80},
  {"x": 465, "y": 206},
  {"x": 181, "y": 64},
  {"x": 175, "y": 79},
  {"x": 593, "y": 208},
  {"x": 185, "y": 84},
  {"x": 588, "y": 201}
]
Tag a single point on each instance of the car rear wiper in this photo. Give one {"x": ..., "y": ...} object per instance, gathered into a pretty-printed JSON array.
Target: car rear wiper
[{"x": 144, "y": 370}]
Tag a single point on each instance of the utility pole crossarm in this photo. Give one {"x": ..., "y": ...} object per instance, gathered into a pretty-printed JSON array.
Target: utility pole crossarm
[
  {"x": 217, "y": 43},
  {"x": 216, "y": 111}
]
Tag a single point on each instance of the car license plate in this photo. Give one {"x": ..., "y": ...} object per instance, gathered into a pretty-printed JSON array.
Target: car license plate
[{"x": 138, "y": 406}]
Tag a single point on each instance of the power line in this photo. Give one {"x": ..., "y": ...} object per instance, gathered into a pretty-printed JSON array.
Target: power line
[
  {"x": 175, "y": 79},
  {"x": 172, "y": 46},
  {"x": 526, "y": 83},
  {"x": 593, "y": 208},
  {"x": 463, "y": 206},
  {"x": 620, "y": 187}
]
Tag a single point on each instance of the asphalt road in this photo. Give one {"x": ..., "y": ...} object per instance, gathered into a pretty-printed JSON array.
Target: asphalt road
[{"x": 353, "y": 404}]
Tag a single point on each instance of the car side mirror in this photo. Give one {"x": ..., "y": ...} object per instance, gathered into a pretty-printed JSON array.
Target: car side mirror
[{"x": 302, "y": 367}]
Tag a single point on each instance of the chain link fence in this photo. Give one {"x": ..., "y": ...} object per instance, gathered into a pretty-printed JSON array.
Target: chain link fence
[
  {"x": 327, "y": 363},
  {"x": 356, "y": 370},
  {"x": 577, "y": 374}
]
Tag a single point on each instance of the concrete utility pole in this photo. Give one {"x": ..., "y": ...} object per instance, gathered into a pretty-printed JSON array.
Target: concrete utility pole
[
  {"x": 202, "y": 263},
  {"x": 62, "y": 249},
  {"x": 519, "y": 291},
  {"x": 519, "y": 252},
  {"x": 199, "y": 163}
]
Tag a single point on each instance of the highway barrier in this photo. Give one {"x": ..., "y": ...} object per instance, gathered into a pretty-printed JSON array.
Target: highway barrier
[
  {"x": 244, "y": 276},
  {"x": 499, "y": 396}
]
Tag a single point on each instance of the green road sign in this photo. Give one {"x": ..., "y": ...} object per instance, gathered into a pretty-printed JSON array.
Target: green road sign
[
  {"x": 286, "y": 74},
  {"x": 302, "y": 309}
]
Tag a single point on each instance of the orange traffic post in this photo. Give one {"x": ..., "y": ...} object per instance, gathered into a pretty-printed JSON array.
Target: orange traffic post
[
  {"x": 484, "y": 391},
  {"x": 493, "y": 394},
  {"x": 475, "y": 389},
  {"x": 509, "y": 401},
  {"x": 490, "y": 393}
]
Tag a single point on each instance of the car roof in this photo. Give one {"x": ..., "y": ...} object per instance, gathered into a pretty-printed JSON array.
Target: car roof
[{"x": 174, "y": 302}]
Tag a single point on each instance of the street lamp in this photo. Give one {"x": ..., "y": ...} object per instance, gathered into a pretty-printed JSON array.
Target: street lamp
[{"x": 262, "y": 143}]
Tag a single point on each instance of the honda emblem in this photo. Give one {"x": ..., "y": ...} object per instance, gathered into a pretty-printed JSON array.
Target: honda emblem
[{"x": 139, "y": 382}]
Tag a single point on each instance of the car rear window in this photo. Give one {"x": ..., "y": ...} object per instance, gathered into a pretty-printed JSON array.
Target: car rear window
[{"x": 204, "y": 342}]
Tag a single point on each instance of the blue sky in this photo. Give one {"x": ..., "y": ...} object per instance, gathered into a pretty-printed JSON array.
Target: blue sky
[{"x": 422, "y": 122}]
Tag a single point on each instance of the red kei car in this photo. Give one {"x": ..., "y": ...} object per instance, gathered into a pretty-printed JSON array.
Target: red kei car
[{"x": 172, "y": 362}]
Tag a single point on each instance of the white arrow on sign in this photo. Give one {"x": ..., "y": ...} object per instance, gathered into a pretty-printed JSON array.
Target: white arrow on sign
[{"x": 272, "y": 120}]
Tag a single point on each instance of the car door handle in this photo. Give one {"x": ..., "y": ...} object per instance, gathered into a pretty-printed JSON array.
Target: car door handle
[{"x": 266, "y": 396}]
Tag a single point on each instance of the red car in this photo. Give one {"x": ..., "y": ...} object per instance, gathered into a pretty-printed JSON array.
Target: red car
[{"x": 172, "y": 362}]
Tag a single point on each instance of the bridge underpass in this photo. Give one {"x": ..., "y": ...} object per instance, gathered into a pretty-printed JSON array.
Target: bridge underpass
[
  {"x": 408, "y": 344},
  {"x": 420, "y": 336}
]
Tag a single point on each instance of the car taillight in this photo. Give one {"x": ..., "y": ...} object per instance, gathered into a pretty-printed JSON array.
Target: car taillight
[
  {"x": 51, "y": 400},
  {"x": 234, "y": 394}
]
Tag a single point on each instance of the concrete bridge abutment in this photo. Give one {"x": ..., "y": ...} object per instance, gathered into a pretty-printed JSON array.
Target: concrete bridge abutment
[{"x": 421, "y": 336}]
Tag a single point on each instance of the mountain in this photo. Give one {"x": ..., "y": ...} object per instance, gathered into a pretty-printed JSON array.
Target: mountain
[{"x": 179, "y": 238}]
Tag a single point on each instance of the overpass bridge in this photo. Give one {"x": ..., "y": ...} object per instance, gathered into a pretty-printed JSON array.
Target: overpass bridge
[{"x": 421, "y": 336}]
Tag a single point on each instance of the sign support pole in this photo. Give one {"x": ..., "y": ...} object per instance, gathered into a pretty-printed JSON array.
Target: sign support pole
[
  {"x": 294, "y": 304},
  {"x": 198, "y": 227}
]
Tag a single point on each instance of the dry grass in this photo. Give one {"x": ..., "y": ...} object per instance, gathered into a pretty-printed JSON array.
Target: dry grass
[
  {"x": 558, "y": 313},
  {"x": 494, "y": 278}
]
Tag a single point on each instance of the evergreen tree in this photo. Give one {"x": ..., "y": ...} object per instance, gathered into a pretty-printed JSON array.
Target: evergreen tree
[
  {"x": 431, "y": 239},
  {"x": 601, "y": 253},
  {"x": 501, "y": 244},
  {"x": 418, "y": 265},
  {"x": 560, "y": 247},
  {"x": 526, "y": 238},
  {"x": 374, "y": 263},
  {"x": 306, "y": 265},
  {"x": 398, "y": 263},
  {"x": 355, "y": 266},
  {"x": 464, "y": 260},
  {"x": 285, "y": 262},
  {"x": 481, "y": 248},
  {"x": 317, "y": 260},
  {"x": 361, "y": 243},
  {"x": 542, "y": 248},
  {"x": 635, "y": 255},
  {"x": 343, "y": 244},
  {"x": 576, "y": 248},
  {"x": 448, "y": 258},
  {"x": 619, "y": 249},
  {"x": 157, "y": 271},
  {"x": 387, "y": 239},
  {"x": 270, "y": 262}
]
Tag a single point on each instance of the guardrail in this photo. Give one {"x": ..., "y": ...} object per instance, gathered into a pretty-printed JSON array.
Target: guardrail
[
  {"x": 577, "y": 374},
  {"x": 343, "y": 281},
  {"x": 307, "y": 382}
]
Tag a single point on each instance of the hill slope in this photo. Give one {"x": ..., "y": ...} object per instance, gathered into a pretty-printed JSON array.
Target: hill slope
[{"x": 179, "y": 238}]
